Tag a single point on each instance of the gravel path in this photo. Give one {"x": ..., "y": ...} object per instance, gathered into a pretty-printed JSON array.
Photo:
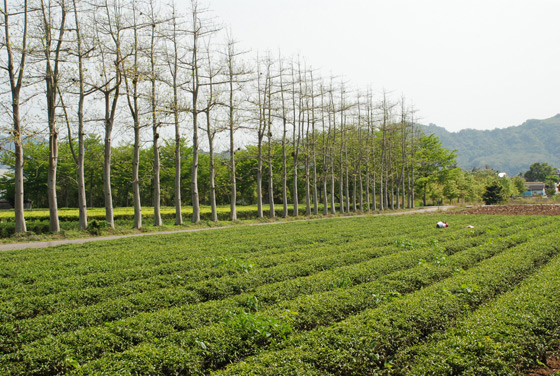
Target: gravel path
[{"x": 54, "y": 243}]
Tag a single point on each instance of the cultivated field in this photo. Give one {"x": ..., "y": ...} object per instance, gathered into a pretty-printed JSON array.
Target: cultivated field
[{"x": 354, "y": 296}]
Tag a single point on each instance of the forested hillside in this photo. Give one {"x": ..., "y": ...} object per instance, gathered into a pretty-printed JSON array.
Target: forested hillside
[{"x": 511, "y": 150}]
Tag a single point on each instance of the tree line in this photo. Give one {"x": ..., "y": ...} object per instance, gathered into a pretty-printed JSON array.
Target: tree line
[{"x": 188, "y": 105}]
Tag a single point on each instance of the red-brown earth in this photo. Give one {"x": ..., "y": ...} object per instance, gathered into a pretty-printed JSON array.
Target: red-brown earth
[{"x": 538, "y": 209}]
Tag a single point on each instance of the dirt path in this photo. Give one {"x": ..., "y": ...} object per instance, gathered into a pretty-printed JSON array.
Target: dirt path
[{"x": 54, "y": 243}]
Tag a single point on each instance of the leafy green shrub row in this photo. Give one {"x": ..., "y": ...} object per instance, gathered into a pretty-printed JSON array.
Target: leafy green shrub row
[
  {"x": 116, "y": 255},
  {"x": 71, "y": 319},
  {"x": 49, "y": 296},
  {"x": 366, "y": 343},
  {"x": 506, "y": 337},
  {"x": 74, "y": 341},
  {"x": 49, "y": 271},
  {"x": 214, "y": 280},
  {"x": 223, "y": 344}
]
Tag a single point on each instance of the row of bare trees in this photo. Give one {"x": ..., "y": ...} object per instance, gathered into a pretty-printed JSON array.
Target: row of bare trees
[{"x": 124, "y": 66}]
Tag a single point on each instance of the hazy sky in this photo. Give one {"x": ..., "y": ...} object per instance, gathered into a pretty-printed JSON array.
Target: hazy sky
[{"x": 479, "y": 64}]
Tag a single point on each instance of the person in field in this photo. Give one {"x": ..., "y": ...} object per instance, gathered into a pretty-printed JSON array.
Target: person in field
[{"x": 441, "y": 224}]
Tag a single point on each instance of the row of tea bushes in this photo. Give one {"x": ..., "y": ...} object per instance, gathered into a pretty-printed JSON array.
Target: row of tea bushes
[
  {"x": 367, "y": 343},
  {"x": 377, "y": 262},
  {"x": 505, "y": 337}
]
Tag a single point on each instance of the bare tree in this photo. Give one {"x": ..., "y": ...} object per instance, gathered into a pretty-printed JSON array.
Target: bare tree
[
  {"x": 16, "y": 77},
  {"x": 263, "y": 83},
  {"x": 211, "y": 131},
  {"x": 269, "y": 135},
  {"x": 404, "y": 138},
  {"x": 198, "y": 31},
  {"x": 81, "y": 53},
  {"x": 109, "y": 29},
  {"x": 53, "y": 20},
  {"x": 332, "y": 128},
  {"x": 130, "y": 74},
  {"x": 370, "y": 148},
  {"x": 298, "y": 119},
  {"x": 314, "y": 146},
  {"x": 360, "y": 154},
  {"x": 156, "y": 124},
  {"x": 324, "y": 151},
  {"x": 174, "y": 55},
  {"x": 284, "y": 116},
  {"x": 236, "y": 75}
]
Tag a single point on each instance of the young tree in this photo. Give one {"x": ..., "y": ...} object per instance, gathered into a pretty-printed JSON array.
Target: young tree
[{"x": 433, "y": 160}]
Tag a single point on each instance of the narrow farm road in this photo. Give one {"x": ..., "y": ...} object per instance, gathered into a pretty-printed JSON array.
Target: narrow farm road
[{"x": 54, "y": 243}]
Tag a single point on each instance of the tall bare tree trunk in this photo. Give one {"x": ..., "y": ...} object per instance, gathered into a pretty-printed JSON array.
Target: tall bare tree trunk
[
  {"x": 51, "y": 80},
  {"x": 296, "y": 140},
  {"x": 79, "y": 159},
  {"x": 233, "y": 197},
  {"x": 173, "y": 64},
  {"x": 16, "y": 82},
  {"x": 285, "y": 212},
  {"x": 155, "y": 123},
  {"x": 233, "y": 76},
  {"x": 313, "y": 150},
  {"x": 109, "y": 217},
  {"x": 212, "y": 164},
  {"x": 178, "y": 142},
  {"x": 306, "y": 168},
  {"x": 137, "y": 223},
  {"x": 195, "y": 78},
  {"x": 131, "y": 81}
]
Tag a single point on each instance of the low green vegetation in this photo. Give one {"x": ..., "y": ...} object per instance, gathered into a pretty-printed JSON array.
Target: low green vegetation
[{"x": 348, "y": 296}]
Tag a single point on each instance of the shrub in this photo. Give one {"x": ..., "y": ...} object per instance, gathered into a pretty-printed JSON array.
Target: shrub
[{"x": 494, "y": 194}]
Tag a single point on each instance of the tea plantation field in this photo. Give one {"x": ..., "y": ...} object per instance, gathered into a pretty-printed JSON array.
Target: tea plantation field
[{"x": 389, "y": 295}]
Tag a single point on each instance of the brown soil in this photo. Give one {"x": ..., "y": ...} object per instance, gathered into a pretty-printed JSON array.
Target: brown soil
[
  {"x": 538, "y": 209},
  {"x": 553, "y": 364}
]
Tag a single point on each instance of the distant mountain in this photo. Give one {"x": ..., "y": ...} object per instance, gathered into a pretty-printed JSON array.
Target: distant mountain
[{"x": 510, "y": 150}]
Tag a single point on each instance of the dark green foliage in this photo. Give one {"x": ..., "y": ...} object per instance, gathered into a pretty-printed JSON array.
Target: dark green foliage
[
  {"x": 538, "y": 172},
  {"x": 94, "y": 228},
  {"x": 494, "y": 193}
]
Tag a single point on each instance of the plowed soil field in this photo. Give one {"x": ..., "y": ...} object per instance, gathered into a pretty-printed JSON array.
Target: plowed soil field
[{"x": 548, "y": 209}]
